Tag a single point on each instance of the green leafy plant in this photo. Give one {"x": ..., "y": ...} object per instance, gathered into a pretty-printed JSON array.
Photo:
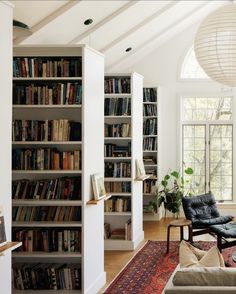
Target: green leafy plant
[{"x": 171, "y": 191}]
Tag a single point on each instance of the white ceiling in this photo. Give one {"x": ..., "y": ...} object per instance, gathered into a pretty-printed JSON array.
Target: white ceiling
[{"x": 143, "y": 25}]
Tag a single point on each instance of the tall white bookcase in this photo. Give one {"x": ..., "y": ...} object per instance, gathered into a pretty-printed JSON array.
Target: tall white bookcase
[
  {"x": 89, "y": 113},
  {"x": 150, "y": 147},
  {"x": 118, "y": 220},
  {"x": 6, "y": 14}
]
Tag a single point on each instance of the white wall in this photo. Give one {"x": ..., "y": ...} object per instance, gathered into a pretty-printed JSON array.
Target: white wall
[{"x": 5, "y": 131}]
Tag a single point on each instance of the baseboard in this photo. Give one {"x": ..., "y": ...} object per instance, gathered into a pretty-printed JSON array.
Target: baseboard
[
  {"x": 97, "y": 284},
  {"x": 123, "y": 245}
]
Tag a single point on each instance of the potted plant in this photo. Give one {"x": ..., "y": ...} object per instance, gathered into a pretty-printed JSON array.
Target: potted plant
[{"x": 171, "y": 191}]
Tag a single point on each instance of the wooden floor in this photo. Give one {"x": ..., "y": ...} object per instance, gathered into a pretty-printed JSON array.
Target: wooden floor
[{"x": 116, "y": 260}]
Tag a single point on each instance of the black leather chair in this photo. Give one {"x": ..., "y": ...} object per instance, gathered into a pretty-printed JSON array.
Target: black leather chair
[{"x": 203, "y": 213}]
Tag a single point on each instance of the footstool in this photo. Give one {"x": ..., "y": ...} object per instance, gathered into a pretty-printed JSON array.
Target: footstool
[{"x": 224, "y": 231}]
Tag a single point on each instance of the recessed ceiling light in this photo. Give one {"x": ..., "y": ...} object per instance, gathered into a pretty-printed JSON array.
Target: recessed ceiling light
[
  {"x": 128, "y": 49},
  {"x": 88, "y": 21}
]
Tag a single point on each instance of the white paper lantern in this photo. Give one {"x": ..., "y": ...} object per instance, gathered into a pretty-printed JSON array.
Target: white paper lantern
[{"x": 215, "y": 45}]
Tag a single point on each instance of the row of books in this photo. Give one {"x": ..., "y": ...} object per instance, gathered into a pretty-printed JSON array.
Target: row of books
[
  {"x": 46, "y": 213},
  {"x": 118, "y": 233},
  {"x": 117, "y": 130},
  {"x": 117, "y": 85},
  {"x": 46, "y": 130},
  {"x": 150, "y": 126},
  {"x": 113, "y": 150},
  {"x": 47, "y": 67},
  {"x": 66, "y": 188},
  {"x": 118, "y": 169},
  {"x": 48, "y": 240},
  {"x": 150, "y": 144},
  {"x": 116, "y": 204},
  {"x": 50, "y": 94},
  {"x": 150, "y": 110},
  {"x": 148, "y": 159},
  {"x": 43, "y": 276},
  {"x": 149, "y": 186},
  {"x": 118, "y": 187},
  {"x": 149, "y": 95},
  {"x": 45, "y": 159},
  {"x": 117, "y": 106}
]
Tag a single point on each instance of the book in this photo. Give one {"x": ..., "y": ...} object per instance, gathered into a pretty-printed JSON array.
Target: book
[
  {"x": 140, "y": 170},
  {"x": 3, "y": 240}
]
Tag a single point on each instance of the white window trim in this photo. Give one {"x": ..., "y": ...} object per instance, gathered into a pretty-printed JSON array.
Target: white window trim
[{"x": 232, "y": 94}]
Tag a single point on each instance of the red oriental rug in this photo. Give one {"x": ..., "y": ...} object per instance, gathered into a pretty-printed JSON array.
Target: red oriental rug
[{"x": 149, "y": 270}]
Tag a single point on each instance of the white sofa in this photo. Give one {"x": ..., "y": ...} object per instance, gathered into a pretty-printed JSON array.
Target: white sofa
[{"x": 221, "y": 276}]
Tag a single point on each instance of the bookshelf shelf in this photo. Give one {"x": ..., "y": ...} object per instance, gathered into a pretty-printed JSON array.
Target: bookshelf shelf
[
  {"x": 117, "y": 95},
  {"x": 41, "y": 254},
  {"x": 127, "y": 223},
  {"x": 117, "y": 213},
  {"x": 47, "y": 291},
  {"x": 117, "y": 180},
  {"x": 47, "y": 172},
  {"x": 58, "y": 107},
  {"x": 49, "y": 79},
  {"x": 121, "y": 194},
  {"x": 45, "y": 224},
  {"x": 47, "y": 143},
  {"x": 117, "y": 158},
  {"x": 9, "y": 246},
  {"x": 63, "y": 106},
  {"x": 150, "y": 146},
  {"x": 117, "y": 116},
  {"x": 35, "y": 202}
]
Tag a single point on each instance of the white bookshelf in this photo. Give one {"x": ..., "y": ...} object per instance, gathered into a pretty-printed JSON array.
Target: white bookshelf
[
  {"x": 150, "y": 113},
  {"x": 91, "y": 223},
  {"x": 117, "y": 220}
]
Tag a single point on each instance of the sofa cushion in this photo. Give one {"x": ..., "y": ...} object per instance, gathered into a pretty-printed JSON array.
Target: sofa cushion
[
  {"x": 190, "y": 256},
  {"x": 205, "y": 276}
]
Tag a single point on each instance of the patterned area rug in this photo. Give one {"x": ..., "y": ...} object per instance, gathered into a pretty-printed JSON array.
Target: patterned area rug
[{"x": 149, "y": 270}]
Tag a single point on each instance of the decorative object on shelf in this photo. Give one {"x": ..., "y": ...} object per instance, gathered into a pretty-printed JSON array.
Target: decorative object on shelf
[
  {"x": 171, "y": 191},
  {"x": 140, "y": 170},
  {"x": 98, "y": 186},
  {"x": 3, "y": 240},
  {"x": 215, "y": 45}
]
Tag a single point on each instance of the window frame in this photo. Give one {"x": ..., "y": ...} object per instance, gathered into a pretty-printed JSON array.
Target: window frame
[{"x": 207, "y": 123}]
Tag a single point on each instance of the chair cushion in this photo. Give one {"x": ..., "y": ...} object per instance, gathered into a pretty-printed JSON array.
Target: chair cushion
[
  {"x": 190, "y": 256},
  {"x": 226, "y": 230},
  {"x": 202, "y": 211}
]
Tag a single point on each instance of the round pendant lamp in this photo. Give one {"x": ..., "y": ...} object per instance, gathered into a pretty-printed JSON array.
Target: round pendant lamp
[
  {"x": 215, "y": 45},
  {"x": 20, "y": 29}
]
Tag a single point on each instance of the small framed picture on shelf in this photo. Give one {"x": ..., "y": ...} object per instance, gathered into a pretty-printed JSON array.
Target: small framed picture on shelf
[
  {"x": 3, "y": 240},
  {"x": 98, "y": 186},
  {"x": 140, "y": 170}
]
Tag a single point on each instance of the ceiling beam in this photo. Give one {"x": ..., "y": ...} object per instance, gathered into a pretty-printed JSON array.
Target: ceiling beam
[
  {"x": 158, "y": 35},
  {"x": 103, "y": 22},
  {"x": 138, "y": 26},
  {"x": 42, "y": 23}
]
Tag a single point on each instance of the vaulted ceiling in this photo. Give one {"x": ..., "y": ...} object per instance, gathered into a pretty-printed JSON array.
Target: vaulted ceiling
[{"x": 143, "y": 25}]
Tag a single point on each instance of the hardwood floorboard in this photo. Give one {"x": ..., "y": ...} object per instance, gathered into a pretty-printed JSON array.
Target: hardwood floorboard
[{"x": 153, "y": 230}]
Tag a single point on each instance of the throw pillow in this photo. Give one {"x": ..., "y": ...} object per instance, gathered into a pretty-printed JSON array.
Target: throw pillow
[{"x": 190, "y": 256}]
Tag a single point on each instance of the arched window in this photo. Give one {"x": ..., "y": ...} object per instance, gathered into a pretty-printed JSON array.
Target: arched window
[{"x": 190, "y": 68}]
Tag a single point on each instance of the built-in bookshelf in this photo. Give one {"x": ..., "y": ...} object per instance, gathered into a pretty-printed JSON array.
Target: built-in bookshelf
[
  {"x": 58, "y": 102},
  {"x": 123, "y": 145},
  {"x": 150, "y": 148}
]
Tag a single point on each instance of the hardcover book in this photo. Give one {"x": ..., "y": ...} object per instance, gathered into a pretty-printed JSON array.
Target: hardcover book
[{"x": 2, "y": 228}]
